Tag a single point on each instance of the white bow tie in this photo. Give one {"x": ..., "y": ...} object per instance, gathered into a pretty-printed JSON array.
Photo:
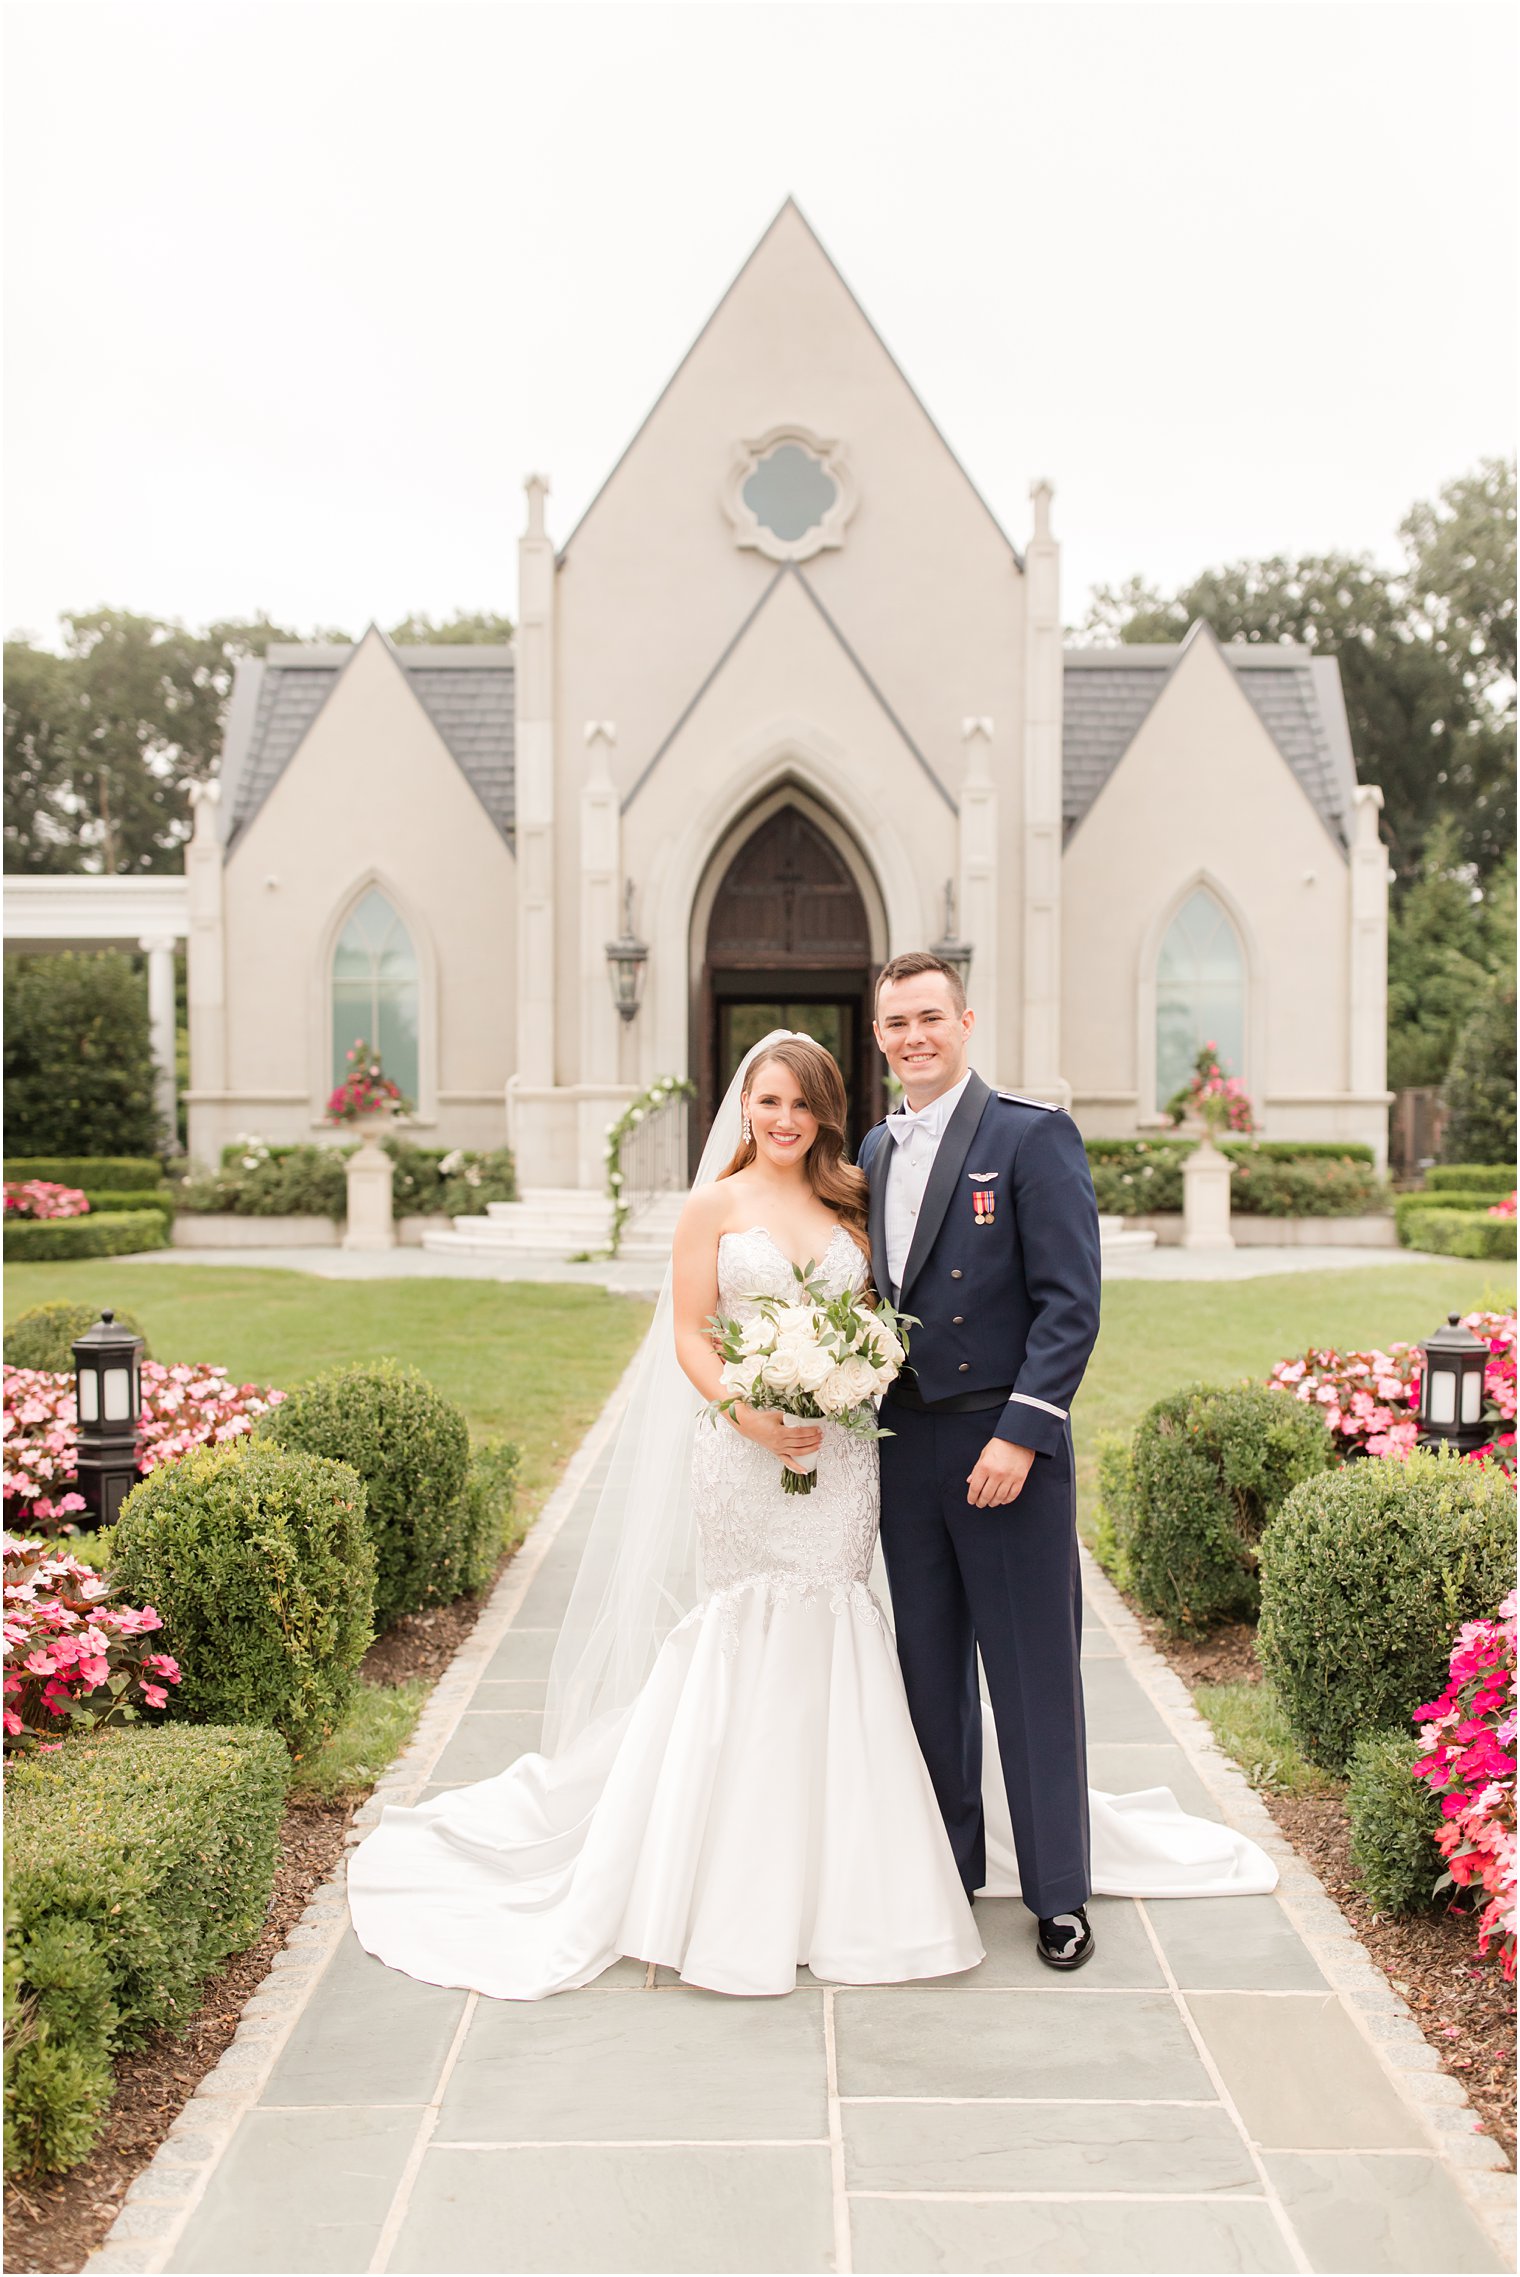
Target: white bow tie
[{"x": 904, "y": 1121}]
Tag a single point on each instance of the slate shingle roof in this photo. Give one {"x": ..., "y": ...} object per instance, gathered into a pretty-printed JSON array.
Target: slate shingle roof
[
  {"x": 1109, "y": 693},
  {"x": 466, "y": 692}
]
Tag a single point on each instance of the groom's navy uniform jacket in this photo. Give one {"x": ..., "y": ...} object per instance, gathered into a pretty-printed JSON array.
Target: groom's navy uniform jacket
[{"x": 1003, "y": 1274}]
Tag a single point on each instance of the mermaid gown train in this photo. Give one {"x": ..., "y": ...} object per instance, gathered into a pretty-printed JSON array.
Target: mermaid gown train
[{"x": 763, "y": 1803}]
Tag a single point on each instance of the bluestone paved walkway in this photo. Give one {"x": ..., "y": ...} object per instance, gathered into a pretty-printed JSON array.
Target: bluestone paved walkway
[{"x": 1229, "y": 2085}]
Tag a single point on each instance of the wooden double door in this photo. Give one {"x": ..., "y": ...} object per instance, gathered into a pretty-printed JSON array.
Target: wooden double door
[{"x": 789, "y": 946}]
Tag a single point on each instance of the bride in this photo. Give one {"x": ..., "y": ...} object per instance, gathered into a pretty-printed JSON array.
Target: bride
[{"x": 730, "y": 1783}]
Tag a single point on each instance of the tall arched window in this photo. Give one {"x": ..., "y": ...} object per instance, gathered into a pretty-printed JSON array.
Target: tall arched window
[
  {"x": 1200, "y": 993},
  {"x": 374, "y": 990}
]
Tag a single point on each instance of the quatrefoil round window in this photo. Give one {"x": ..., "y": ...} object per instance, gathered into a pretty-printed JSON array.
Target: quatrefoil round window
[{"x": 789, "y": 494}]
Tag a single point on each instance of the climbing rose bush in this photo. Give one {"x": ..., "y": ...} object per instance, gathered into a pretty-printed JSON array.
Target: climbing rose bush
[
  {"x": 1370, "y": 1400},
  {"x": 182, "y": 1407},
  {"x": 1469, "y": 1737},
  {"x": 73, "y": 1659},
  {"x": 43, "y": 1198}
]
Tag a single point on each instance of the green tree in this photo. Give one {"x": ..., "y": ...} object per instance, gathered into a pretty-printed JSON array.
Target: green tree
[
  {"x": 465, "y": 627},
  {"x": 103, "y": 742},
  {"x": 1426, "y": 656},
  {"x": 1440, "y": 957},
  {"x": 1480, "y": 1083},
  {"x": 78, "y": 1062}
]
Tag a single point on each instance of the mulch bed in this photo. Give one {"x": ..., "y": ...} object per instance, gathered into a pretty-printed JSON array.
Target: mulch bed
[
  {"x": 55, "y": 2222},
  {"x": 1462, "y": 2004}
]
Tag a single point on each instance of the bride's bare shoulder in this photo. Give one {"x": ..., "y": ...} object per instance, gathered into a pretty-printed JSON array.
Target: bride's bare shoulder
[{"x": 706, "y": 1211}]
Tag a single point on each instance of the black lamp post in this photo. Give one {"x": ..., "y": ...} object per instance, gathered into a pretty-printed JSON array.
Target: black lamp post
[
  {"x": 951, "y": 949},
  {"x": 1451, "y": 1388},
  {"x": 108, "y": 1399},
  {"x": 627, "y": 962}
]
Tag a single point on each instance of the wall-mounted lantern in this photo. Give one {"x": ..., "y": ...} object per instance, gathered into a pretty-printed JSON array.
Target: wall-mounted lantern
[
  {"x": 952, "y": 950},
  {"x": 627, "y": 962}
]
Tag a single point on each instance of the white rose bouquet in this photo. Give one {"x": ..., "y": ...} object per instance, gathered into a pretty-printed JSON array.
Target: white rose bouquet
[{"x": 823, "y": 1359}]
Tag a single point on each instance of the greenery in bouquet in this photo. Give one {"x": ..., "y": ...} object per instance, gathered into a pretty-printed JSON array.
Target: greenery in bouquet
[
  {"x": 819, "y": 1358},
  {"x": 366, "y": 1089},
  {"x": 1217, "y": 1100},
  {"x": 73, "y": 1659}
]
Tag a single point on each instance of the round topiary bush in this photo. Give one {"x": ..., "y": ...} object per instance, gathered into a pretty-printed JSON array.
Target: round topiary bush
[
  {"x": 1393, "y": 1817},
  {"x": 1366, "y": 1576},
  {"x": 259, "y": 1563},
  {"x": 44, "y": 1337},
  {"x": 1211, "y": 1466},
  {"x": 411, "y": 1447}
]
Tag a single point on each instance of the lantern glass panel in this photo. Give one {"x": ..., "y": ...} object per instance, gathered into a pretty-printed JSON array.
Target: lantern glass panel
[
  {"x": 89, "y": 1396},
  {"x": 118, "y": 1390},
  {"x": 1443, "y": 1395},
  {"x": 1472, "y": 1396}
]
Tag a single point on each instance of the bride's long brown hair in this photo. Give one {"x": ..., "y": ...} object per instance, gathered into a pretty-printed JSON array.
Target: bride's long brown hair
[{"x": 837, "y": 1183}]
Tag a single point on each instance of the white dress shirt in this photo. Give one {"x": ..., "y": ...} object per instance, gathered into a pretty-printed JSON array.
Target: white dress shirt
[{"x": 917, "y": 1136}]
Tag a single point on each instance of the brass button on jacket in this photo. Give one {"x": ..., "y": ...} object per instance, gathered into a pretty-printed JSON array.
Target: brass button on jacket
[
  {"x": 965, "y": 1367},
  {"x": 959, "y": 1320},
  {"x": 955, "y": 1272}
]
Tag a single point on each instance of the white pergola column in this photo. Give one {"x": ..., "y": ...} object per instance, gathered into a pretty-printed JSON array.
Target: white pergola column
[
  {"x": 1041, "y": 1043},
  {"x": 1368, "y": 1071},
  {"x": 535, "y": 795},
  {"x": 159, "y": 949},
  {"x": 978, "y": 917},
  {"x": 206, "y": 978}
]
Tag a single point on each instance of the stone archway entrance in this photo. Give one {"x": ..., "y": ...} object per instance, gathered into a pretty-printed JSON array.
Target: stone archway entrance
[{"x": 788, "y": 946}]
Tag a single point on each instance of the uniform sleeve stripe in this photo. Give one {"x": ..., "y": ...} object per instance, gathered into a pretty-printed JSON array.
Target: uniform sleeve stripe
[{"x": 1027, "y": 1401}]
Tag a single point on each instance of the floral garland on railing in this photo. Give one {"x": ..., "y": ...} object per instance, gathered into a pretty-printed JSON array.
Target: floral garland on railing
[
  {"x": 1469, "y": 1735},
  {"x": 663, "y": 1089}
]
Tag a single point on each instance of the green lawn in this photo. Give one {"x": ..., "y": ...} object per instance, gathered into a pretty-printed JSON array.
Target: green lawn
[
  {"x": 529, "y": 1360},
  {"x": 1159, "y": 1334}
]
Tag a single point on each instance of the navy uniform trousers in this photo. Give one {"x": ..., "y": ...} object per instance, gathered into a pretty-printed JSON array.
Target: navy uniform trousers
[{"x": 1006, "y": 1581}]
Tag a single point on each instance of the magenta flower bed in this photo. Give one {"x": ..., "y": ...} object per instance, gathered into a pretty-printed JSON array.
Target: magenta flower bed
[
  {"x": 183, "y": 1407},
  {"x": 1469, "y": 1734},
  {"x": 72, "y": 1658},
  {"x": 1371, "y": 1400},
  {"x": 42, "y": 1198}
]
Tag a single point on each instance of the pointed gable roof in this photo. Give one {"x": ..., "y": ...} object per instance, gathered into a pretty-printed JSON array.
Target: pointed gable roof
[
  {"x": 466, "y": 691},
  {"x": 788, "y": 207},
  {"x": 1110, "y": 692}
]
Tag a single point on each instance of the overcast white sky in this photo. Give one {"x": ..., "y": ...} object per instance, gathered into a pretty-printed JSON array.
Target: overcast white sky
[{"x": 299, "y": 290}]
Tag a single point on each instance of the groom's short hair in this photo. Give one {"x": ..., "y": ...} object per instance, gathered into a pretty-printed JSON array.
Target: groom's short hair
[{"x": 916, "y": 961}]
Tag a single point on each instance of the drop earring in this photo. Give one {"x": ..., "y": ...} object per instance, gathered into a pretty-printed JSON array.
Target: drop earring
[{"x": 744, "y": 1131}]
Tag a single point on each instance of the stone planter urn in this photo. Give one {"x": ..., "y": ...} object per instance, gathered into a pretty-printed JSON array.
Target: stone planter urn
[
  {"x": 370, "y": 1223},
  {"x": 1206, "y": 1176}
]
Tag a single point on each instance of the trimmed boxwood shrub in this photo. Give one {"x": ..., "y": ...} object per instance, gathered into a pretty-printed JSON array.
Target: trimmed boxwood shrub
[
  {"x": 1210, "y": 1467},
  {"x": 1139, "y": 1177},
  {"x": 44, "y": 1337},
  {"x": 160, "y": 1198},
  {"x": 108, "y": 1233},
  {"x": 1366, "y": 1575},
  {"x": 1393, "y": 1817},
  {"x": 411, "y": 1447},
  {"x": 78, "y": 1061},
  {"x": 260, "y": 1565},
  {"x": 1458, "y": 1233},
  {"x": 291, "y": 1181},
  {"x": 124, "y": 1173},
  {"x": 1493, "y": 1179},
  {"x": 492, "y": 1523},
  {"x": 135, "y": 1862},
  {"x": 1406, "y": 1206}
]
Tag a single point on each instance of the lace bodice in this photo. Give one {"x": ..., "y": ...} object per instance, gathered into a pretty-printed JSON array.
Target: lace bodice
[
  {"x": 753, "y": 1264},
  {"x": 752, "y": 1534}
]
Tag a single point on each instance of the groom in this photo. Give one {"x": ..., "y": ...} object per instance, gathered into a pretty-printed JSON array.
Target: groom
[{"x": 984, "y": 1225}]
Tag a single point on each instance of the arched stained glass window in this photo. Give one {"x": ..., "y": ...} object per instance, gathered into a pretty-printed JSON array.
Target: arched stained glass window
[
  {"x": 375, "y": 992},
  {"x": 1200, "y": 993}
]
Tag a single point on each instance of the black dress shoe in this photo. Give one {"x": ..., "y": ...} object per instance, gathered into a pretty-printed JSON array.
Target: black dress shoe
[{"x": 1066, "y": 1940}]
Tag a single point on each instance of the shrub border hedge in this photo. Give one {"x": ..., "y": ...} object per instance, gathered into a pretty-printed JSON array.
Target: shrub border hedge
[
  {"x": 104, "y": 1233},
  {"x": 1458, "y": 1233},
  {"x": 109, "y": 1171},
  {"x": 136, "y": 1861}
]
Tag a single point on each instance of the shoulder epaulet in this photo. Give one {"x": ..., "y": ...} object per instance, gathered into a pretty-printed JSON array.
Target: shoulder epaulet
[{"x": 1017, "y": 1099}]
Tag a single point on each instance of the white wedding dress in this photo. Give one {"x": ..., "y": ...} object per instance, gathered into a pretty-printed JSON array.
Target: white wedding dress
[{"x": 762, "y": 1803}]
